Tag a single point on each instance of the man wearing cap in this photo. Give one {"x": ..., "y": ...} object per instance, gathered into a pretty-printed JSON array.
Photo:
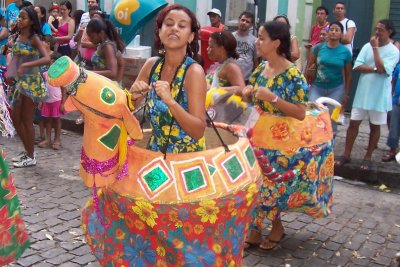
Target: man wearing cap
[{"x": 215, "y": 18}]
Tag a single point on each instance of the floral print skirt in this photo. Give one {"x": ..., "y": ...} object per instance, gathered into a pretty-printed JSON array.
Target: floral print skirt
[
  {"x": 309, "y": 191},
  {"x": 31, "y": 86},
  {"x": 13, "y": 234},
  {"x": 136, "y": 232}
]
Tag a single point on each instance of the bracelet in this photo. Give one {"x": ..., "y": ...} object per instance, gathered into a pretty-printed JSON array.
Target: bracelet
[
  {"x": 275, "y": 100},
  {"x": 375, "y": 47}
]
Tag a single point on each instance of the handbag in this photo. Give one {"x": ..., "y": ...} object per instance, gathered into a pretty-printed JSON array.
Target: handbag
[{"x": 311, "y": 71}]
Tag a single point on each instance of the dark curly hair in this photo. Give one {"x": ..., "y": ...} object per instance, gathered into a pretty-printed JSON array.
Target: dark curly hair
[
  {"x": 193, "y": 48},
  {"x": 227, "y": 40}
]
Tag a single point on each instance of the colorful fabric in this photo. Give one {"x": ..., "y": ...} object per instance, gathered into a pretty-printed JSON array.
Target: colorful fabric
[
  {"x": 161, "y": 117},
  {"x": 13, "y": 234},
  {"x": 31, "y": 83},
  {"x": 98, "y": 59},
  {"x": 289, "y": 85},
  {"x": 310, "y": 190},
  {"x": 12, "y": 13},
  {"x": 224, "y": 105},
  {"x": 141, "y": 233}
]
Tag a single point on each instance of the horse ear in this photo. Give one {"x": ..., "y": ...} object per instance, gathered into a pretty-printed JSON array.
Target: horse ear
[{"x": 132, "y": 124}]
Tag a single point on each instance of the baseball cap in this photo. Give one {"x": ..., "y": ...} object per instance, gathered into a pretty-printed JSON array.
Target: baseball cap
[{"x": 215, "y": 11}]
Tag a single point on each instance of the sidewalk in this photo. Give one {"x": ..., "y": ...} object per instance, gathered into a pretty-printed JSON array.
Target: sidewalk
[{"x": 387, "y": 173}]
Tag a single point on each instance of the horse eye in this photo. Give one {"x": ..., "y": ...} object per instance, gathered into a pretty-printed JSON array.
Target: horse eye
[{"x": 107, "y": 95}]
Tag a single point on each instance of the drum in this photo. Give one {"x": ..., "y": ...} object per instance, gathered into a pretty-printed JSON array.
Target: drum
[
  {"x": 301, "y": 152},
  {"x": 181, "y": 209}
]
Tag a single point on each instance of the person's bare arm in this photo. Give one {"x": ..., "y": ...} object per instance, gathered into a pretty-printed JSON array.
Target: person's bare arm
[
  {"x": 348, "y": 37},
  {"x": 295, "y": 51}
]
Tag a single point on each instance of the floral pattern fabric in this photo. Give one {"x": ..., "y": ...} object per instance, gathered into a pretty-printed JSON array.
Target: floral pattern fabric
[
  {"x": 98, "y": 59},
  {"x": 310, "y": 190},
  {"x": 31, "y": 83},
  {"x": 161, "y": 117},
  {"x": 13, "y": 234},
  {"x": 140, "y": 233},
  {"x": 289, "y": 85}
]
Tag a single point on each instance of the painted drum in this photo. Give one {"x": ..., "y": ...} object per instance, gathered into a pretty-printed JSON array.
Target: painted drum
[{"x": 185, "y": 209}]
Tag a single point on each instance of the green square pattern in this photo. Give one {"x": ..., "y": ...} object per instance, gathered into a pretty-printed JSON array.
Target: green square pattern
[
  {"x": 250, "y": 156},
  {"x": 110, "y": 139},
  {"x": 155, "y": 178},
  {"x": 211, "y": 169},
  {"x": 194, "y": 179},
  {"x": 233, "y": 167}
]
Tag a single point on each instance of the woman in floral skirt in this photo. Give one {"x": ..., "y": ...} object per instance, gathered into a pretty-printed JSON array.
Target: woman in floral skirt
[{"x": 280, "y": 92}]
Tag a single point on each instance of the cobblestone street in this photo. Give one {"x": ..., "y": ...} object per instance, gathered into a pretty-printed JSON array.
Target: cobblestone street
[{"x": 363, "y": 230}]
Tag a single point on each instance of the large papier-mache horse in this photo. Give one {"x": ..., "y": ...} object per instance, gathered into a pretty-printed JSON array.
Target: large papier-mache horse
[{"x": 190, "y": 209}]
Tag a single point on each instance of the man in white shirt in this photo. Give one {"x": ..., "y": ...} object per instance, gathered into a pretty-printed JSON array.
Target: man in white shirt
[
  {"x": 85, "y": 16},
  {"x": 349, "y": 26}
]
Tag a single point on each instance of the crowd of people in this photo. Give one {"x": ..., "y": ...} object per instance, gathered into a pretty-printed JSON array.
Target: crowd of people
[{"x": 261, "y": 72}]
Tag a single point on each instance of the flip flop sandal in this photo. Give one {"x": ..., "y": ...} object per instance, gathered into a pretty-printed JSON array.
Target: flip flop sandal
[
  {"x": 341, "y": 161},
  {"x": 274, "y": 243},
  {"x": 389, "y": 156},
  {"x": 366, "y": 165},
  {"x": 56, "y": 146},
  {"x": 250, "y": 245},
  {"x": 43, "y": 144}
]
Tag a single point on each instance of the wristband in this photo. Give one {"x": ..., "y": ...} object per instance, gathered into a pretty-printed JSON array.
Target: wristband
[{"x": 275, "y": 100}]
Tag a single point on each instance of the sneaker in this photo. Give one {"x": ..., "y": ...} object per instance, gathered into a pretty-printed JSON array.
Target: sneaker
[
  {"x": 26, "y": 161},
  {"x": 19, "y": 157}
]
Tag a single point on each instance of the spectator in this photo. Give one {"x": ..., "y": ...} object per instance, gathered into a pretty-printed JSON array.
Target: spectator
[
  {"x": 246, "y": 47},
  {"x": 53, "y": 18},
  {"x": 294, "y": 43},
  {"x": 65, "y": 29},
  {"x": 215, "y": 18},
  {"x": 333, "y": 69},
  {"x": 12, "y": 13},
  {"x": 102, "y": 33},
  {"x": 376, "y": 62},
  {"x": 85, "y": 47},
  {"x": 3, "y": 40},
  {"x": 41, "y": 12},
  {"x": 73, "y": 44},
  {"x": 86, "y": 16},
  {"x": 349, "y": 26},
  {"x": 322, "y": 22},
  {"x": 394, "y": 130}
]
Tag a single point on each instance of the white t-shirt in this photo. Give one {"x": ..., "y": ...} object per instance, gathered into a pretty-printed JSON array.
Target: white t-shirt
[
  {"x": 84, "y": 19},
  {"x": 350, "y": 24}
]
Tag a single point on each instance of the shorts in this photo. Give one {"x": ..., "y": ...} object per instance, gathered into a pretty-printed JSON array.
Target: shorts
[{"x": 375, "y": 117}]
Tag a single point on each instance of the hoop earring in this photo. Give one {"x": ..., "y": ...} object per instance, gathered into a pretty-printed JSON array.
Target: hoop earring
[{"x": 161, "y": 51}]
